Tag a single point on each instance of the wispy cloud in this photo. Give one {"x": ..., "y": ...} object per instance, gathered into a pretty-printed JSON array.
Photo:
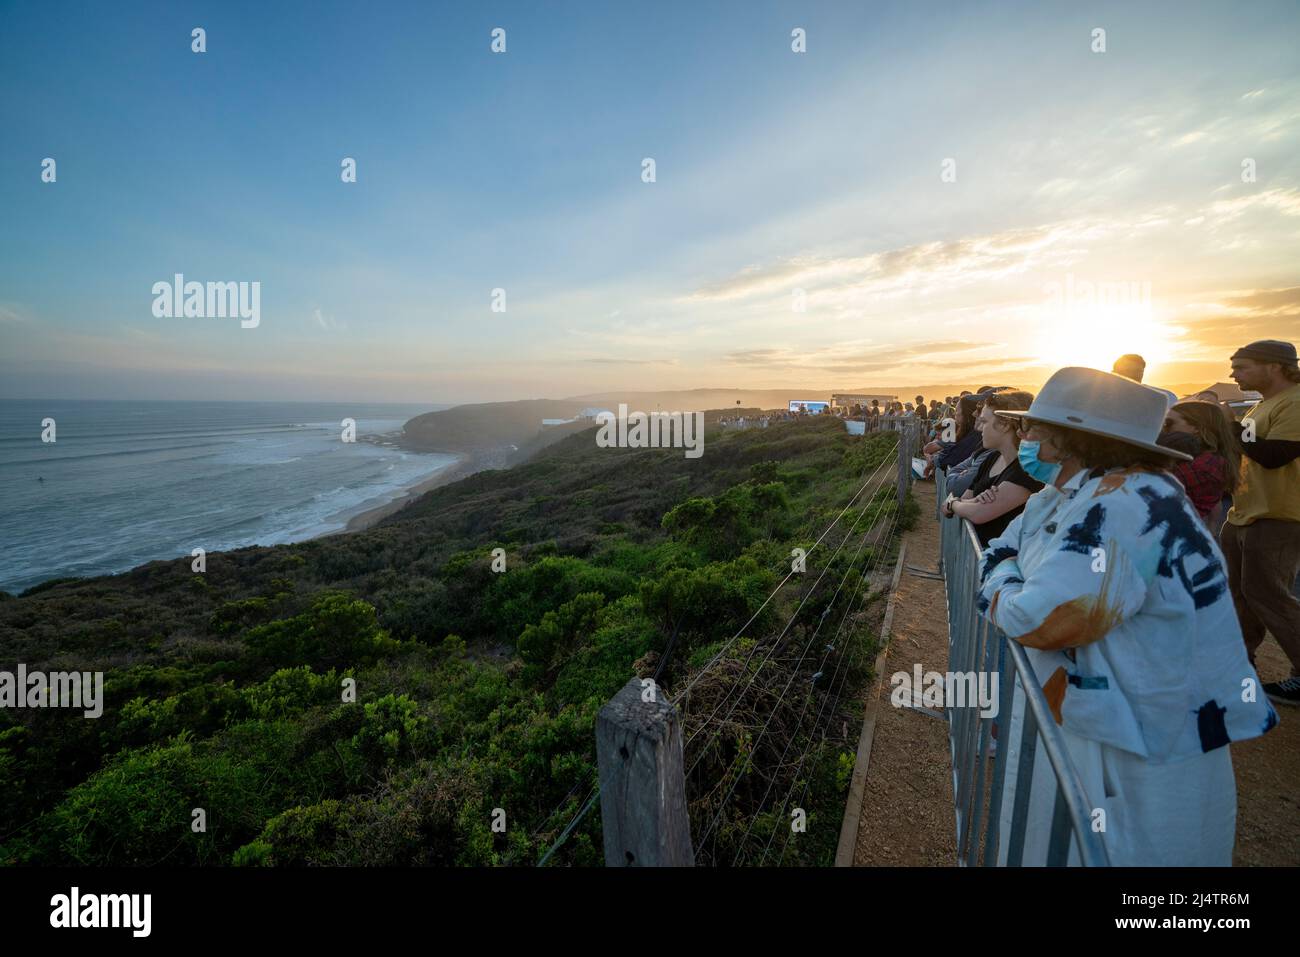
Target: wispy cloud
[
  {"x": 328, "y": 323},
  {"x": 10, "y": 312}
]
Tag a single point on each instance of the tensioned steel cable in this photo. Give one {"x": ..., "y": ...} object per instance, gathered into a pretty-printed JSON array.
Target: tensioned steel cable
[
  {"x": 795, "y": 779},
  {"x": 730, "y": 641},
  {"x": 546, "y": 820},
  {"x": 808, "y": 783},
  {"x": 771, "y": 648},
  {"x": 591, "y": 800},
  {"x": 798, "y": 771},
  {"x": 753, "y": 747},
  {"x": 595, "y": 788},
  {"x": 834, "y": 644}
]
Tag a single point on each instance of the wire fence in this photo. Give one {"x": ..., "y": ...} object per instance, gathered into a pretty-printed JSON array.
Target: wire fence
[{"x": 784, "y": 680}]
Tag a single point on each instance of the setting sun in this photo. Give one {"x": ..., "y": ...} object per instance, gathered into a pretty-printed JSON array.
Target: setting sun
[{"x": 1096, "y": 336}]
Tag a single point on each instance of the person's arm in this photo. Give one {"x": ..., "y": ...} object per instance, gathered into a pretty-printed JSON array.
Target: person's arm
[
  {"x": 998, "y": 563},
  {"x": 1271, "y": 453},
  {"x": 1006, "y": 497},
  {"x": 1068, "y": 600},
  {"x": 1283, "y": 445},
  {"x": 958, "y": 451}
]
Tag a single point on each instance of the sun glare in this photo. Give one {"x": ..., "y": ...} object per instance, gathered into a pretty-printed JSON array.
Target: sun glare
[{"x": 1095, "y": 337}]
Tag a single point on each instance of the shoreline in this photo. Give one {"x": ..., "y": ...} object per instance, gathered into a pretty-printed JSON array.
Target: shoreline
[{"x": 364, "y": 517}]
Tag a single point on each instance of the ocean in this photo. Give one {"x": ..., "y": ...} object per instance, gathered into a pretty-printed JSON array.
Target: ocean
[{"x": 129, "y": 482}]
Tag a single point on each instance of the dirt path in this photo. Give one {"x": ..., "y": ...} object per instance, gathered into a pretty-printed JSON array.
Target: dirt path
[
  {"x": 907, "y": 813},
  {"x": 1268, "y": 781}
]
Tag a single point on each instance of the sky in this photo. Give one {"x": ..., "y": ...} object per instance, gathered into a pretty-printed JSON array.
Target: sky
[{"x": 931, "y": 192}]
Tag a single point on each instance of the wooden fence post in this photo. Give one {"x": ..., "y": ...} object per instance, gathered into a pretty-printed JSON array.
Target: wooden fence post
[{"x": 642, "y": 780}]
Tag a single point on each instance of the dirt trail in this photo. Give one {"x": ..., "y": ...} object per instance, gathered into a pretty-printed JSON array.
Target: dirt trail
[
  {"x": 907, "y": 813},
  {"x": 1268, "y": 780}
]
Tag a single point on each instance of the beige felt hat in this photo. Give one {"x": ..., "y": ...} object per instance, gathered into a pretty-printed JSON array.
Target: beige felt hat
[{"x": 1104, "y": 404}]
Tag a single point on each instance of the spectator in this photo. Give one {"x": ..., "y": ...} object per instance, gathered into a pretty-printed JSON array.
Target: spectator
[
  {"x": 958, "y": 477},
  {"x": 1001, "y": 486},
  {"x": 968, "y": 437},
  {"x": 1201, "y": 430},
  {"x": 1133, "y": 366},
  {"x": 1130, "y": 366},
  {"x": 1140, "y": 657},
  {"x": 1261, "y": 537}
]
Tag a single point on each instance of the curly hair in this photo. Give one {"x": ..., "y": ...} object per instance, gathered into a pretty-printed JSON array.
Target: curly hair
[{"x": 1099, "y": 451}]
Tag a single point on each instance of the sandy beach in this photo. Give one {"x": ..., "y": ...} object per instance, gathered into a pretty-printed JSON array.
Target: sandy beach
[{"x": 367, "y": 516}]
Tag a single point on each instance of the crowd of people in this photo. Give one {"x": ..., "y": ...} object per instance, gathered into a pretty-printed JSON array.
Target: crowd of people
[
  {"x": 764, "y": 419},
  {"x": 1139, "y": 546},
  {"x": 856, "y": 411}
]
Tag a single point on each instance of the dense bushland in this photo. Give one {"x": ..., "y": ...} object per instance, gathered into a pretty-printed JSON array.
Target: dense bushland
[{"x": 474, "y": 691}]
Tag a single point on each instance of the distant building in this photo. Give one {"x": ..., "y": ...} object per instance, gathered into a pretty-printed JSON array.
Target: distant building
[
  {"x": 1232, "y": 397},
  {"x": 847, "y": 400},
  {"x": 808, "y": 406},
  {"x": 586, "y": 415}
]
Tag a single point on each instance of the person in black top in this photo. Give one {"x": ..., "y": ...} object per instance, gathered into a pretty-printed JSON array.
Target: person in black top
[
  {"x": 1001, "y": 486},
  {"x": 968, "y": 438}
]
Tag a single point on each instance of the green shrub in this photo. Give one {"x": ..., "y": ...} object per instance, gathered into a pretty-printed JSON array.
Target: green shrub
[
  {"x": 337, "y": 630},
  {"x": 293, "y": 690}
]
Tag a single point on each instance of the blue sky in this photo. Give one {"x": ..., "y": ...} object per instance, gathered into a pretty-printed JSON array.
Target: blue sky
[{"x": 776, "y": 171}]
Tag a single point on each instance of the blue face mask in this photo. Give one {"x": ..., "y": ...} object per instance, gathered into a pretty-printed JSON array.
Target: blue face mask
[{"x": 1045, "y": 472}]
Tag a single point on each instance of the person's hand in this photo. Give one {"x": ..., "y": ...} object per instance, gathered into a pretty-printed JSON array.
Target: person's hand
[
  {"x": 988, "y": 496},
  {"x": 967, "y": 495}
]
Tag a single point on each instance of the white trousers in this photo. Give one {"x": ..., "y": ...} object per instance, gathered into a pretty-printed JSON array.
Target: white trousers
[{"x": 1180, "y": 814}]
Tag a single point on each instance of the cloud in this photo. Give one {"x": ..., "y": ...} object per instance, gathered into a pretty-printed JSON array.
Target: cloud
[
  {"x": 839, "y": 359},
  {"x": 1232, "y": 319},
  {"x": 1284, "y": 201},
  {"x": 631, "y": 362},
  {"x": 328, "y": 323},
  {"x": 960, "y": 261}
]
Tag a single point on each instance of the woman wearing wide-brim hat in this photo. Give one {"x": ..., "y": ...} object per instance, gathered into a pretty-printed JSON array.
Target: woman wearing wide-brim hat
[{"x": 1120, "y": 596}]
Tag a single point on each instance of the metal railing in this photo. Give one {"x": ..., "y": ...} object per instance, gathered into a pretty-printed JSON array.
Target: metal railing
[{"x": 987, "y": 834}]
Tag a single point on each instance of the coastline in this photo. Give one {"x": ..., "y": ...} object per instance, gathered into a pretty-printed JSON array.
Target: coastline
[
  {"x": 367, "y": 516},
  {"x": 466, "y": 464}
]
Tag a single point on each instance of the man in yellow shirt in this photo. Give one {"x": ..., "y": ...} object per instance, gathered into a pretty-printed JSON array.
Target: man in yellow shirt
[{"x": 1261, "y": 538}]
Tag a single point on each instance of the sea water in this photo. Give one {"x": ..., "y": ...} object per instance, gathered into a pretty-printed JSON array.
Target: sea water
[{"x": 128, "y": 482}]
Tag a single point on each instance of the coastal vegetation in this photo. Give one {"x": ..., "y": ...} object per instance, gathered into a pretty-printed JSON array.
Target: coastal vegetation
[{"x": 385, "y": 697}]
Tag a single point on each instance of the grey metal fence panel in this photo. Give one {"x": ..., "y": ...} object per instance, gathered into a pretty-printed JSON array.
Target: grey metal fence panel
[{"x": 976, "y": 647}]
